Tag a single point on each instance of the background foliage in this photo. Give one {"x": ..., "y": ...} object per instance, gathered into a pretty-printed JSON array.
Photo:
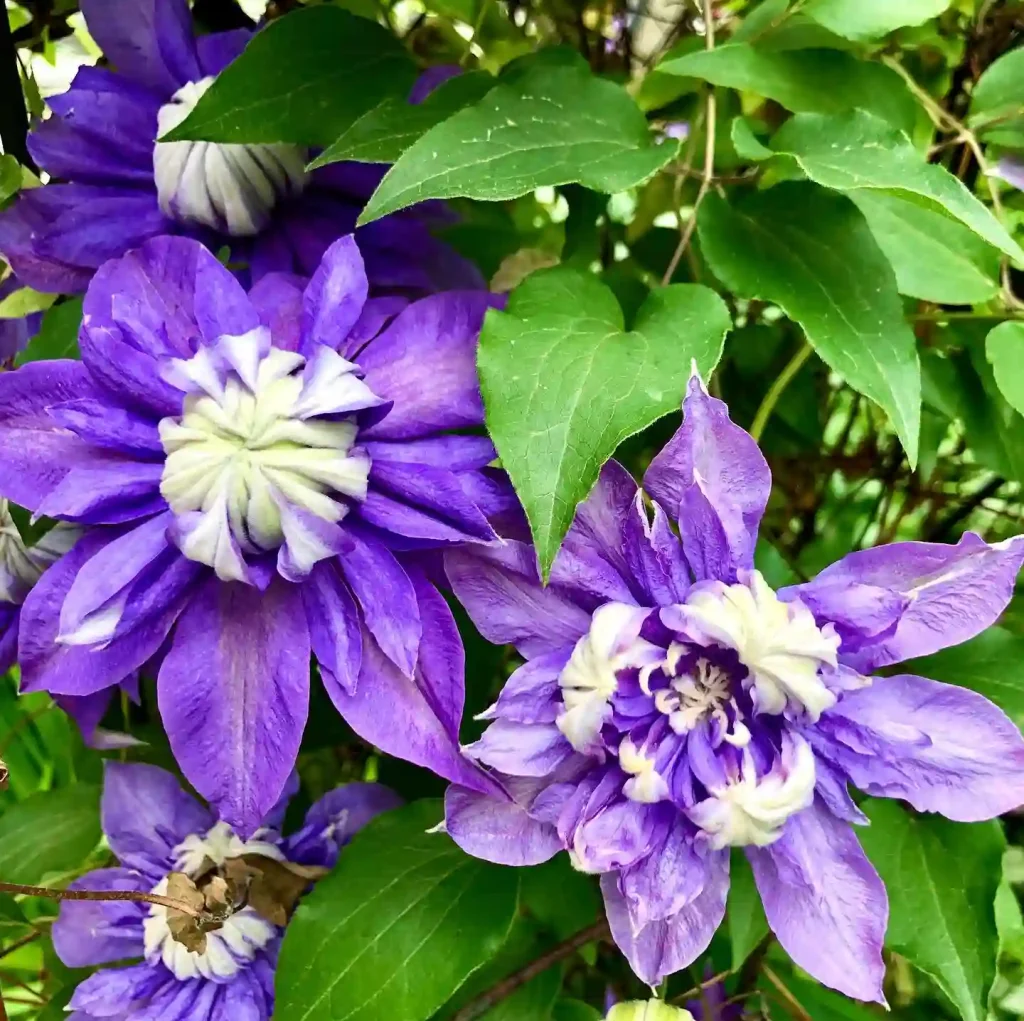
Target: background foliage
[{"x": 837, "y": 191}]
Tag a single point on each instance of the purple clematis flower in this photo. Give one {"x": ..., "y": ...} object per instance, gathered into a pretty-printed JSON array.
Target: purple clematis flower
[
  {"x": 122, "y": 186},
  {"x": 673, "y": 706},
  {"x": 254, "y": 476},
  {"x": 154, "y": 829}
]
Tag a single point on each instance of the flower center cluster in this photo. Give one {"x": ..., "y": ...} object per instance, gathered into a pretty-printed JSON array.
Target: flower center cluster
[
  {"x": 263, "y": 453},
  {"x": 231, "y": 188},
  {"x": 710, "y": 718},
  {"x": 242, "y": 935}
]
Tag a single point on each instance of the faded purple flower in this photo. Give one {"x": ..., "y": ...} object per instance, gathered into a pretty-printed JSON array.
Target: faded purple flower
[
  {"x": 673, "y": 706},
  {"x": 1011, "y": 170},
  {"x": 154, "y": 828},
  {"x": 254, "y": 476},
  {"x": 124, "y": 187}
]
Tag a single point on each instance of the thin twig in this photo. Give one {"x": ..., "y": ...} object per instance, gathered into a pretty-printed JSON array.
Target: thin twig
[
  {"x": 706, "y": 984},
  {"x": 97, "y": 895},
  {"x": 710, "y": 124},
  {"x": 783, "y": 380},
  {"x": 477, "y": 25},
  {"x": 792, "y": 1002},
  {"x": 507, "y": 986},
  {"x": 19, "y": 943}
]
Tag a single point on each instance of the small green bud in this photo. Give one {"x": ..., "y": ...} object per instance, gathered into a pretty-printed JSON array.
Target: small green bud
[{"x": 651, "y": 1010}]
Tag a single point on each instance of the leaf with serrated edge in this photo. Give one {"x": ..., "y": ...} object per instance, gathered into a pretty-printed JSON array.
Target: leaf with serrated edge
[
  {"x": 396, "y": 928},
  {"x": 549, "y": 125},
  {"x": 942, "y": 879},
  {"x": 811, "y": 253},
  {"x": 564, "y": 384}
]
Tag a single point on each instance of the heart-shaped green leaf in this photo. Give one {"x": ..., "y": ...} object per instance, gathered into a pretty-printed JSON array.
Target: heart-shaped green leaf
[{"x": 564, "y": 383}]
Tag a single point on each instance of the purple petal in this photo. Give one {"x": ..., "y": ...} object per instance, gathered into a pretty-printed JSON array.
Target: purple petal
[
  {"x": 497, "y": 829},
  {"x": 103, "y": 425},
  {"x": 106, "y": 491},
  {"x": 107, "y": 993},
  {"x": 825, "y": 902},
  {"x": 440, "y": 331},
  {"x": 334, "y": 298},
  {"x": 430, "y": 79},
  {"x": 1011, "y": 170},
  {"x": 954, "y": 592},
  {"x": 222, "y": 308},
  {"x": 655, "y": 557},
  {"x": 394, "y": 713},
  {"x": 277, "y": 298},
  {"x": 146, "y": 815},
  {"x": 334, "y": 627},
  {"x": 218, "y": 49},
  {"x": 234, "y": 695},
  {"x": 457, "y": 453},
  {"x": 531, "y": 694},
  {"x": 36, "y": 452},
  {"x": 88, "y": 933},
  {"x": 664, "y": 947},
  {"x": 149, "y": 41},
  {"x": 942, "y": 748},
  {"x": 521, "y": 749},
  {"x": 714, "y": 480},
  {"x": 388, "y": 599},
  {"x": 88, "y": 711},
  {"x": 500, "y": 588}
]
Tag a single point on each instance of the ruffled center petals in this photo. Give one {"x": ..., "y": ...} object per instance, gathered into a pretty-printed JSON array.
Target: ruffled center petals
[
  {"x": 779, "y": 643},
  {"x": 263, "y": 456},
  {"x": 229, "y": 188}
]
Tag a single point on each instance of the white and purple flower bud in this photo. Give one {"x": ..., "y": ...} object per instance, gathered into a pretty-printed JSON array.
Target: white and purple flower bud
[
  {"x": 22, "y": 565},
  {"x": 227, "y": 187}
]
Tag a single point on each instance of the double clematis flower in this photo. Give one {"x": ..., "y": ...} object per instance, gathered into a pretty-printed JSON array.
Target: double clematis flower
[
  {"x": 120, "y": 186},
  {"x": 673, "y": 706},
  {"x": 155, "y": 829},
  {"x": 254, "y": 477}
]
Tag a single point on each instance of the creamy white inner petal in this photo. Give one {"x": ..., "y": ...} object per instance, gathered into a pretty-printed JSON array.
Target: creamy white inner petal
[
  {"x": 243, "y": 934},
  {"x": 245, "y": 458},
  {"x": 230, "y": 188},
  {"x": 22, "y": 566},
  {"x": 779, "y": 643},
  {"x": 753, "y": 810}
]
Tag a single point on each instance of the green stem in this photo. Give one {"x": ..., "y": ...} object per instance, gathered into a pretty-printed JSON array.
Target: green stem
[{"x": 771, "y": 398}]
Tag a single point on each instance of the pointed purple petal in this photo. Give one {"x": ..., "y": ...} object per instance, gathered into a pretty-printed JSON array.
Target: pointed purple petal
[
  {"x": 88, "y": 933},
  {"x": 334, "y": 297},
  {"x": 497, "y": 829},
  {"x": 334, "y": 627}
]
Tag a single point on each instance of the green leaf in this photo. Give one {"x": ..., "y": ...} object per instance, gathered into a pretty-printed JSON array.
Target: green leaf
[
  {"x": 812, "y": 254},
  {"x": 564, "y": 384},
  {"x": 746, "y": 918},
  {"x": 10, "y": 177},
  {"x": 935, "y": 258},
  {"x": 1000, "y": 90},
  {"x": 533, "y": 1001},
  {"x": 575, "y": 1010},
  {"x": 761, "y": 19},
  {"x": 859, "y": 151},
  {"x": 58, "y": 334},
  {"x": 48, "y": 833},
  {"x": 24, "y": 302},
  {"x": 1004, "y": 348},
  {"x": 304, "y": 79},
  {"x": 548, "y": 124},
  {"x": 814, "y": 80},
  {"x": 942, "y": 879},
  {"x": 870, "y": 19},
  {"x": 398, "y": 925},
  {"x": 992, "y": 664},
  {"x": 382, "y": 134}
]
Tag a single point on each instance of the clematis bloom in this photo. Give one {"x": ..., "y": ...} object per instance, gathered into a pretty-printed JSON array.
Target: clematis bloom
[
  {"x": 254, "y": 476},
  {"x": 155, "y": 829},
  {"x": 673, "y": 706}
]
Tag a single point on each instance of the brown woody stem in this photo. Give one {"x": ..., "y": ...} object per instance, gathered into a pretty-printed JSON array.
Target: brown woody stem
[{"x": 102, "y": 895}]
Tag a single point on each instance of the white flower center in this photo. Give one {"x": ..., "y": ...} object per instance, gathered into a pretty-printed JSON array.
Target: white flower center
[
  {"x": 588, "y": 681},
  {"x": 779, "y": 643},
  {"x": 259, "y": 454},
  {"x": 236, "y": 943},
  {"x": 22, "y": 566},
  {"x": 753, "y": 810},
  {"x": 231, "y": 188}
]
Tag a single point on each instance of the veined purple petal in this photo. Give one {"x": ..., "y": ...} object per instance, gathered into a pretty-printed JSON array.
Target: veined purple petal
[
  {"x": 825, "y": 902},
  {"x": 655, "y": 557},
  {"x": 942, "y": 748},
  {"x": 87, "y": 933},
  {"x": 954, "y": 593},
  {"x": 334, "y": 298},
  {"x": 106, "y": 491},
  {"x": 500, "y": 588},
  {"x": 218, "y": 49},
  {"x": 334, "y": 626},
  {"x": 113, "y": 428},
  {"x": 715, "y": 481},
  {"x": 106, "y": 993},
  {"x": 521, "y": 749},
  {"x": 441, "y": 666},
  {"x": 277, "y": 298},
  {"x": 146, "y": 815},
  {"x": 531, "y": 694},
  {"x": 456, "y": 453},
  {"x": 234, "y": 695},
  {"x": 497, "y": 829}
]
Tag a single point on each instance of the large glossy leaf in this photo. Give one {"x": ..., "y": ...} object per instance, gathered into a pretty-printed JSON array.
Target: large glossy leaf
[
  {"x": 816, "y": 80},
  {"x": 304, "y": 79},
  {"x": 869, "y": 19},
  {"x": 813, "y": 254},
  {"x": 396, "y": 928},
  {"x": 942, "y": 879},
  {"x": 549, "y": 124},
  {"x": 564, "y": 383},
  {"x": 52, "y": 832},
  {"x": 858, "y": 151},
  {"x": 1005, "y": 350}
]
